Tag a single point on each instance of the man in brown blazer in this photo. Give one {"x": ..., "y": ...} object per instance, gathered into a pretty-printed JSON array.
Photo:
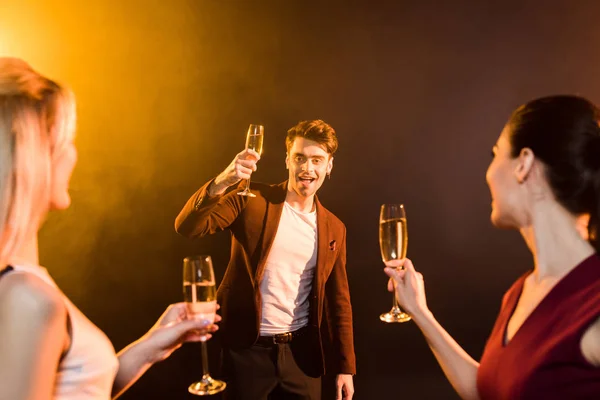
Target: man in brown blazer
[{"x": 284, "y": 298}]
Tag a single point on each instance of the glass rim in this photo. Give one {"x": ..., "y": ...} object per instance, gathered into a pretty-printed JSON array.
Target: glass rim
[
  {"x": 197, "y": 257},
  {"x": 257, "y": 128}
]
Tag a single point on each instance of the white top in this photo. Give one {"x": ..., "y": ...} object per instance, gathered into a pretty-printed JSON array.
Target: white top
[
  {"x": 88, "y": 369},
  {"x": 289, "y": 271}
]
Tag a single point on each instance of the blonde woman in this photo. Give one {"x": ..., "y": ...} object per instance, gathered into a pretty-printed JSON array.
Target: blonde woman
[{"x": 48, "y": 348}]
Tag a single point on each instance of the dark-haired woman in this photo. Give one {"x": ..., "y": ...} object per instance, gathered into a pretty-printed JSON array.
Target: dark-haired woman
[{"x": 544, "y": 181}]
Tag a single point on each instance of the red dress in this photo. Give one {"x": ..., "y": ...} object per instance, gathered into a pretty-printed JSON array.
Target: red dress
[{"x": 543, "y": 360}]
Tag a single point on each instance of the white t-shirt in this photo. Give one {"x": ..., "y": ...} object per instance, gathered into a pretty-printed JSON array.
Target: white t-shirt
[{"x": 289, "y": 271}]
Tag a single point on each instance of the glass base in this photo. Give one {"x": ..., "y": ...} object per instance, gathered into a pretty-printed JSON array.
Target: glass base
[
  {"x": 246, "y": 193},
  {"x": 391, "y": 317},
  {"x": 207, "y": 386}
]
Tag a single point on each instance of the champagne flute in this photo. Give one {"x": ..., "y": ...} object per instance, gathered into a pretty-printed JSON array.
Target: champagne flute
[
  {"x": 393, "y": 243},
  {"x": 254, "y": 141},
  {"x": 200, "y": 296}
]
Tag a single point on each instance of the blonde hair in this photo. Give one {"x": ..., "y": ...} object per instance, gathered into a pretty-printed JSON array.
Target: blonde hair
[{"x": 37, "y": 121}]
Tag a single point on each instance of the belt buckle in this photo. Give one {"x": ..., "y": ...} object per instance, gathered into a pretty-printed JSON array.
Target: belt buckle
[{"x": 282, "y": 338}]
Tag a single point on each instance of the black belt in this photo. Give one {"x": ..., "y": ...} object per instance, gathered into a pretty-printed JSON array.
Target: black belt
[{"x": 281, "y": 338}]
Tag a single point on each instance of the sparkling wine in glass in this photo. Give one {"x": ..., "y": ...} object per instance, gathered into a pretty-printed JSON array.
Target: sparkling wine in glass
[
  {"x": 393, "y": 243},
  {"x": 200, "y": 296},
  {"x": 254, "y": 141}
]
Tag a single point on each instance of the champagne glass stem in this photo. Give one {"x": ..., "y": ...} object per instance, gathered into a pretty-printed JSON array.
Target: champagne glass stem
[
  {"x": 248, "y": 185},
  {"x": 204, "y": 360},
  {"x": 395, "y": 305}
]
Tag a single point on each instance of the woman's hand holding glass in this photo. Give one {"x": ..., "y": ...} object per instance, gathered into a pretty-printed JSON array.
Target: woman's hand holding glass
[
  {"x": 173, "y": 329},
  {"x": 409, "y": 286}
]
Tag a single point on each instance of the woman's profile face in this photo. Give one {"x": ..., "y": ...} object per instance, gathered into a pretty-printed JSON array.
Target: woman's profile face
[
  {"x": 503, "y": 184},
  {"x": 62, "y": 168}
]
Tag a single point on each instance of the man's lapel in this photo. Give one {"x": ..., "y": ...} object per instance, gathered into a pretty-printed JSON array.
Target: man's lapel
[{"x": 325, "y": 247}]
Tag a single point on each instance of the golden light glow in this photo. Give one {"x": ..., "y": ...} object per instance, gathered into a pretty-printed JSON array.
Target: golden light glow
[
  {"x": 27, "y": 31},
  {"x": 135, "y": 72}
]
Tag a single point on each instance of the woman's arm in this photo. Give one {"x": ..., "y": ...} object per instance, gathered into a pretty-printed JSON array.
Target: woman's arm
[
  {"x": 168, "y": 334},
  {"x": 590, "y": 344},
  {"x": 459, "y": 367}
]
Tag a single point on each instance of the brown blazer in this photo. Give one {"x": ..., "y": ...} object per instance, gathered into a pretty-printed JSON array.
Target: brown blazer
[{"x": 253, "y": 223}]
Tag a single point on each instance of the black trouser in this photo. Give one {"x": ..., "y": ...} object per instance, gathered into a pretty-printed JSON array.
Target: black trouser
[{"x": 272, "y": 372}]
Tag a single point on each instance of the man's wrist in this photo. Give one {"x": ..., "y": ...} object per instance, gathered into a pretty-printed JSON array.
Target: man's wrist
[{"x": 216, "y": 188}]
